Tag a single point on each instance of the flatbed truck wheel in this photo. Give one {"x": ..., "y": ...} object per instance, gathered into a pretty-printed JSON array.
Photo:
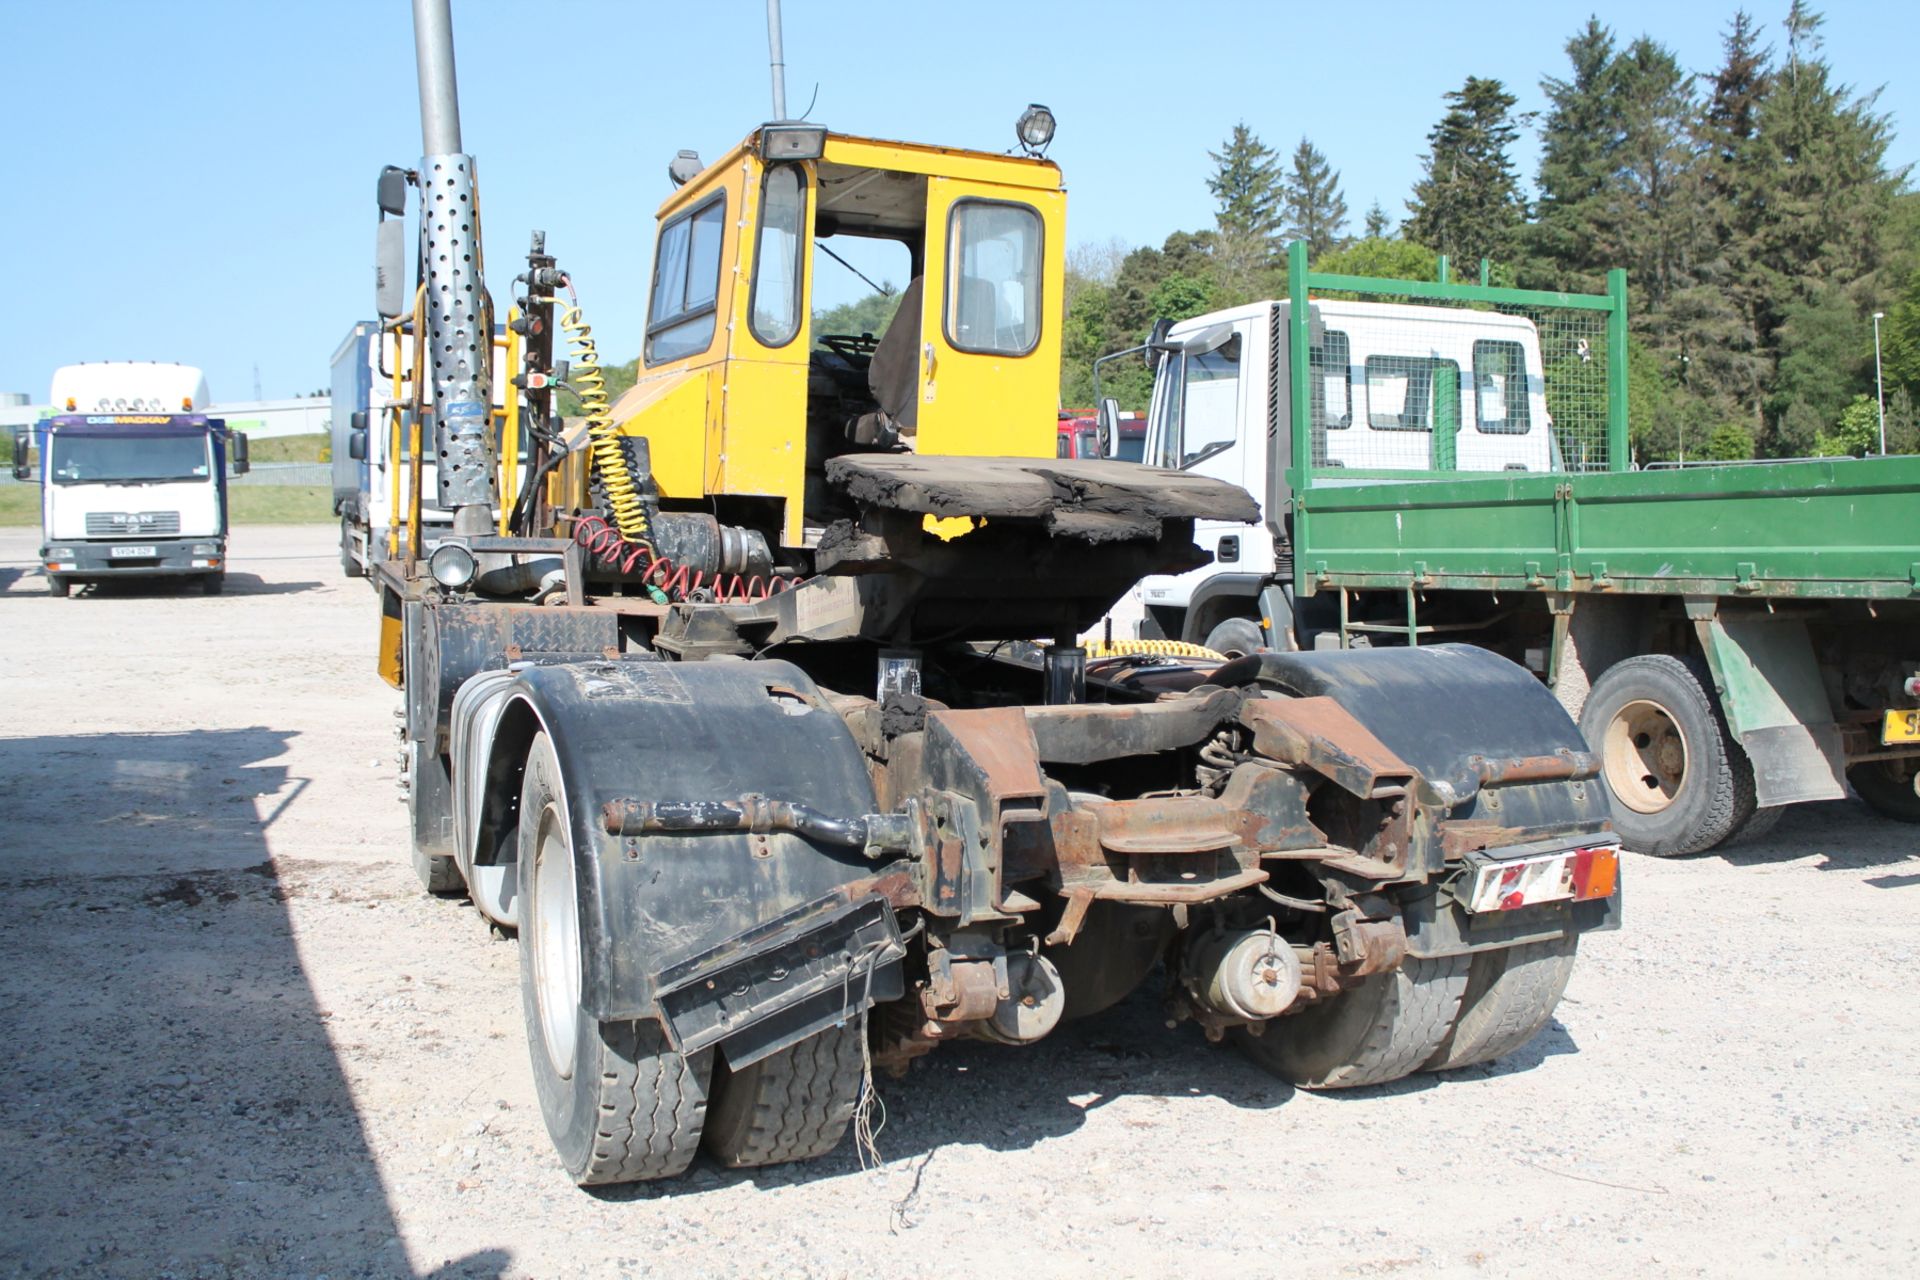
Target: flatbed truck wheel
[
  {"x": 1678, "y": 781},
  {"x": 620, "y": 1105},
  {"x": 1511, "y": 994},
  {"x": 1386, "y": 1027},
  {"x": 61, "y": 587},
  {"x": 791, "y": 1105},
  {"x": 1237, "y": 638},
  {"x": 1887, "y": 787},
  {"x": 213, "y": 584}
]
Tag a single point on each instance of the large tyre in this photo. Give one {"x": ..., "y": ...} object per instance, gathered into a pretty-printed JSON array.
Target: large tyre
[
  {"x": 791, "y": 1105},
  {"x": 1887, "y": 787},
  {"x": 619, "y": 1104},
  {"x": 1388, "y": 1026},
  {"x": 1511, "y": 994},
  {"x": 438, "y": 876},
  {"x": 61, "y": 587},
  {"x": 1237, "y": 638},
  {"x": 212, "y": 584},
  {"x": 349, "y": 566},
  {"x": 1678, "y": 782},
  {"x": 1758, "y": 826}
]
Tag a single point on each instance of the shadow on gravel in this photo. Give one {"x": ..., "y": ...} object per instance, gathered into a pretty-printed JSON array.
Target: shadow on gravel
[
  {"x": 1846, "y": 835},
  {"x": 170, "y": 1100},
  {"x": 1010, "y": 1099},
  {"x": 237, "y": 584},
  {"x": 10, "y": 576}
]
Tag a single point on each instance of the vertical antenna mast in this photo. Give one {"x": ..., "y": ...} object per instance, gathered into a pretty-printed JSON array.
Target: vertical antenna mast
[
  {"x": 777, "y": 57},
  {"x": 459, "y": 318}
]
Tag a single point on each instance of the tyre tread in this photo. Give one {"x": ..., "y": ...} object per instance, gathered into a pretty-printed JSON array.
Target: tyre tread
[
  {"x": 1511, "y": 995},
  {"x": 792, "y": 1105}
]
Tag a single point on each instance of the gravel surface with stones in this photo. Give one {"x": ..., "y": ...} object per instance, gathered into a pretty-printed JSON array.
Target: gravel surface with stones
[{"x": 236, "y": 1040}]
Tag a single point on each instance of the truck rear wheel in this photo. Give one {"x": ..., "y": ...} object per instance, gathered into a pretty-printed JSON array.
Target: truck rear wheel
[
  {"x": 61, "y": 587},
  {"x": 1678, "y": 782},
  {"x": 620, "y": 1105},
  {"x": 350, "y": 565},
  {"x": 1388, "y": 1026},
  {"x": 1887, "y": 787},
  {"x": 791, "y": 1105},
  {"x": 1511, "y": 994}
]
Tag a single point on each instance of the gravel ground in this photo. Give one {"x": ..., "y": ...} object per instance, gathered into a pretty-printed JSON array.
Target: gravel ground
[{"x": 236, "y": 1040}]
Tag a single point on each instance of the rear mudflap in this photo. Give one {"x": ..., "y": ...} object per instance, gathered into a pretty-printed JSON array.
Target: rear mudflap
[{"x": 776, "y": 985}]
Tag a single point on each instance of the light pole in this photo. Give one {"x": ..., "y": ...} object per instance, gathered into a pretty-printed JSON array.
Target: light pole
[{"x": 1879, "y": 391}]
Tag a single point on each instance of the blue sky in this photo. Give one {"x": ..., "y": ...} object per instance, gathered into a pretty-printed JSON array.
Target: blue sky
[{"x": 192, "y": 180}]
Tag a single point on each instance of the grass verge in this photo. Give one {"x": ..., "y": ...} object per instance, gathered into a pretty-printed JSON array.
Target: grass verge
[{"x": 246, "y": 504}]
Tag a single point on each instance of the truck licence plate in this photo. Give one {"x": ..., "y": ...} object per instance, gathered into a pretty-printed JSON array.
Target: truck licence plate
[
  {"x": 134, "y": 553},
  {"x": 1900, "y": 726}
]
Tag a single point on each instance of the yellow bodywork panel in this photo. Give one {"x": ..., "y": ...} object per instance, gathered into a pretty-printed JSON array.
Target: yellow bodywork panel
[
  {"x": 731, "y": 420},
  {"x": 989, "y": 403}
]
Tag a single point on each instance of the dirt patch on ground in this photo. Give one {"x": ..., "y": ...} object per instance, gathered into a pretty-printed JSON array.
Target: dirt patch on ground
[{"x": 239, "y": 1041}]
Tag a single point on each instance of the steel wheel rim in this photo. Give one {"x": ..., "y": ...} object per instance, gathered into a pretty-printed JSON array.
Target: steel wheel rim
[
  {"x": 1645, "y": 756},
  {"x": 556, "y": 942}
]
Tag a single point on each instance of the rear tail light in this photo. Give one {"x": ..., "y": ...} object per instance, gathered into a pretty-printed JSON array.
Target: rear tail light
[{"x": 1567, "y": 875}]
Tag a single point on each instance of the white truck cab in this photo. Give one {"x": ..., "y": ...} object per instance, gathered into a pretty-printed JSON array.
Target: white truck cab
[
  {"x": 133, "y": 475},
  {"x": 1393, "y": 388}
]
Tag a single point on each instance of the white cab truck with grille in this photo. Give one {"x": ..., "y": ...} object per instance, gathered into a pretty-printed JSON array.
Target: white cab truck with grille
[
  {"x": 133, "y": 475},
  {"x": 1401, "y": 388}
]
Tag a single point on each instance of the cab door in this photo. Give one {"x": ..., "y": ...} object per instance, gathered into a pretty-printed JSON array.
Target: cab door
[{"x": 989, "y": 360}]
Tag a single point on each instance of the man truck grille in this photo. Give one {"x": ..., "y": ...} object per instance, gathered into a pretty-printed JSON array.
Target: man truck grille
[{"x": 132, "y": 524}]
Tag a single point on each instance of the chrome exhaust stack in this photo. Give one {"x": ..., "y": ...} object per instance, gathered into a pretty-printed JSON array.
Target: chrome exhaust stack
[{"x": 459, "y": 314}]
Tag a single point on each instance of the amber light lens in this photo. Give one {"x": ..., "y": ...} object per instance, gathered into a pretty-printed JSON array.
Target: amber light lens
[{"x": 1596, "y": 872}]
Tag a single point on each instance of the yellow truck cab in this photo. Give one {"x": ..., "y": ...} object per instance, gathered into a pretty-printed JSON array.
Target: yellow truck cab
[{"x": 739, "y": 400}]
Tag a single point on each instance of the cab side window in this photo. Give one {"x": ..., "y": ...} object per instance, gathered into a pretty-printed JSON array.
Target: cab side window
[
  {"x": 775, "y": 313},
  {"x": 1500, "y": 388},
  {"x": 993, "y": 279},
  {"x": 686, "y": 283}
]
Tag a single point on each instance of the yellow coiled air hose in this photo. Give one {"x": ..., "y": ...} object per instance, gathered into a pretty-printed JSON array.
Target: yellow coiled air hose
[
  {"x": 604, "y": 448},
  {"x": 1151, "y": 648}
]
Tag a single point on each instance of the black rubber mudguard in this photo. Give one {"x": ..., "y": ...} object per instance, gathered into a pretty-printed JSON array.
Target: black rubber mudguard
[
  {"x": 1455, "y": 713},
  {"x": 680, "y": 912}
]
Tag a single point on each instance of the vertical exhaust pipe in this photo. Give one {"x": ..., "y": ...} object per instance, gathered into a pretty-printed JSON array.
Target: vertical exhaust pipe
[
  {"x": 459, "y": 336},
  {"x": 777, "y": 59}
]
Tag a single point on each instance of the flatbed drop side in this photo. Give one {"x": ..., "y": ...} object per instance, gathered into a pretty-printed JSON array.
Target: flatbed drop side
[
  {"x": 726, "y": 704},
  {"x": 1733, "y": 638}
]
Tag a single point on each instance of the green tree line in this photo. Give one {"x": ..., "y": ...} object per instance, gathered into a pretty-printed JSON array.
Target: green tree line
[{"x": 1752, "y": 207}]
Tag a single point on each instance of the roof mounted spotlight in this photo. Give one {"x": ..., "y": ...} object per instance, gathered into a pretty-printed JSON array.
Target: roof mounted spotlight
[
  {"x": 684, "y": 167},
  {"x": 1035, "y": 129},
  {"x": 791, "y": 140}
]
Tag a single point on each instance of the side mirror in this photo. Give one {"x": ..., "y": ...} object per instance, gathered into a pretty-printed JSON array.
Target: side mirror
[
  {"x": 21, "y": 470},
  {"x": 390, "y": 244},
  {"x": 238, "y": 448},
  {"x": 1109, "y": 420},
  {"x": 357, "y": 443},
  {"x": 391, "y": 193},
  {"x": 390, "y": 269}
]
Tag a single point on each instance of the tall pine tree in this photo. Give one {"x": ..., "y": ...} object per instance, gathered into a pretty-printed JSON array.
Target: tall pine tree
[
  {"x": 1469, "y": 203},
  {"x": 1246, "y": 182},
  {"x": 1314, "y": 209}
]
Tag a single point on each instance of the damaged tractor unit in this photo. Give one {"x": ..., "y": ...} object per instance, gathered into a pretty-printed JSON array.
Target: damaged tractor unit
[{"x": 753, "y": 704}]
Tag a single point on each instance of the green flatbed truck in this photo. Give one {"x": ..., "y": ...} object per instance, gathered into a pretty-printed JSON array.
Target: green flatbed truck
[{"x": 1731, "y": 638}]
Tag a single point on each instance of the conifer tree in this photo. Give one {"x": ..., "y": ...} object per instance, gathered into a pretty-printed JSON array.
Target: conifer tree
[
  {"x": 1315, "y": 210},
  {"x": 1468, "y": 204}
]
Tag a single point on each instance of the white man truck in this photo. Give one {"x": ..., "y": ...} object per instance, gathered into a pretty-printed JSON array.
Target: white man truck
[{"x": 133, "y": 475}]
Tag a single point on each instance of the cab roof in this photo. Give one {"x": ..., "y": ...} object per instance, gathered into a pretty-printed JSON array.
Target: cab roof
[{"x": 880, "y": 153}]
